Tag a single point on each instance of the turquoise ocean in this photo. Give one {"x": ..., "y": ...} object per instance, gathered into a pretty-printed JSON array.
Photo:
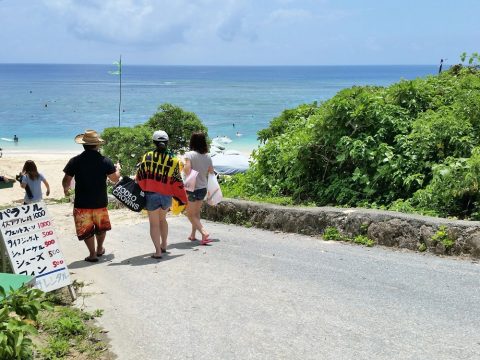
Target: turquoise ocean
[{"x": 47, "y": 105}]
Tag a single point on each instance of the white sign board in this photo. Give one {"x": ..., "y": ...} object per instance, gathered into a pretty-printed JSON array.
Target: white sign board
[{"x": 32, "y": 245}]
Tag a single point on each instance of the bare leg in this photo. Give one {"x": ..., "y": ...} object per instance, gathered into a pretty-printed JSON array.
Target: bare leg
[
  {"x": 90, "y": 242},
  {"x": 154, "y": 220},
  {"x": 100, "y": 239},
  {"x": 190, "y": 215},
  {"x": 163, "y": 227},
  {"x": 193, "y": 214}
]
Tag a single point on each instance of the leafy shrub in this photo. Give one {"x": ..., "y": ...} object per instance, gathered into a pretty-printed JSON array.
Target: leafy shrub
[
  {"x": 56, "y": 349},
  {"x": 364, "y": 240},
  {"x": 413, "y": 146},
  {"x": 15, "y": 342},
  {"x": 128, "y": 145},
  {"x": 422, "y": 247},
  {"x": 332, "y": 233},
  {"x": 18, "y": 311},
  {"x": 178, "y": 123},
  {"x": 289, "y": 119},
  {"x": 441, "y": 236}
]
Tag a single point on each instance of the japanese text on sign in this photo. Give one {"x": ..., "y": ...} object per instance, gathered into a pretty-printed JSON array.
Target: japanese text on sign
[{"x": 32, "y": 245}]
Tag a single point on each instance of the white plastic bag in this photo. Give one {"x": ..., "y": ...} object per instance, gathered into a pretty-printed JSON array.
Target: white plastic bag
[
  {"x": 214, "y": 193},
  {"x": 190, "y": 180}
]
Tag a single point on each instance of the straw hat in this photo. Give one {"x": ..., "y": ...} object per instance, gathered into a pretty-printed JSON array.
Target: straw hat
[{"x": 90, "y": 137}]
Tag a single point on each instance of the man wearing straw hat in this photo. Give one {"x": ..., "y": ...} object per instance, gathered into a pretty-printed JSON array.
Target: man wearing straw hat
[{"x": 90, "y": 170}]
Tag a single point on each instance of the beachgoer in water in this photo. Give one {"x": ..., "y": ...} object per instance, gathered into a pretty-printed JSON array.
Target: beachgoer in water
[
  {"x": 31, "y": 181},
  {"x": 159, "y": 177},
  {"x": 90, "y": 170},
  {"x": 198, "y": 159},
  {"x": 15, "y": 138}
]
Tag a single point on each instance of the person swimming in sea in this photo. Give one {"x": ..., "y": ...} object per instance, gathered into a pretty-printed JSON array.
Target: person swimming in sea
[{"x": 15, "y": 138}]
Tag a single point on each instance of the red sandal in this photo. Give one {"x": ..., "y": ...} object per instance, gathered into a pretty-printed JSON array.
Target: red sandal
[{"x": 205, "y": 240}]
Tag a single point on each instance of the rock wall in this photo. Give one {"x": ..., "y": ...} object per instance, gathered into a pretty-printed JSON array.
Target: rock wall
[{"x": 387, "y": 228}]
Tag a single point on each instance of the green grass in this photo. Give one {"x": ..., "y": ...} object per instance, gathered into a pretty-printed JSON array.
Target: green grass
[
  {"x": 442, "y": 236},
  {"x": 67, "y": 332},
  {"x": 332, "y": 233},
  {"x": 363, "y": 240}
]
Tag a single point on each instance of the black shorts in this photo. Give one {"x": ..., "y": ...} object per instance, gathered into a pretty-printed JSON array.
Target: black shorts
[{"x": 197, "y": 195}]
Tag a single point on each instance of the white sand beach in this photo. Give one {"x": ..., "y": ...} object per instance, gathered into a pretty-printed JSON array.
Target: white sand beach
[{"x": 50, "y": 164}]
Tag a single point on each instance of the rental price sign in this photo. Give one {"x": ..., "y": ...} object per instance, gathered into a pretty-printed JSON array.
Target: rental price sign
[{"x": 32, "y": 245}]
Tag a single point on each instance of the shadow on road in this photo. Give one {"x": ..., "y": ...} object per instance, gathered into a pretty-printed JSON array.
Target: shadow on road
[
  {"x": 82, "y": 263},
  {"x": 144, "y": 259},
  {"x": 189, "y": 245}
]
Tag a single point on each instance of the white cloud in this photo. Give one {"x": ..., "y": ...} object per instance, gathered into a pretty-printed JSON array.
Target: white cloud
[
  {"x": 145, "y": 22},
  {"x": 288, "y": 15}
]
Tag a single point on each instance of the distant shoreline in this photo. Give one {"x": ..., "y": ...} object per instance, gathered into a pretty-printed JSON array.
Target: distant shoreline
[{"x": 61, "y": 146}]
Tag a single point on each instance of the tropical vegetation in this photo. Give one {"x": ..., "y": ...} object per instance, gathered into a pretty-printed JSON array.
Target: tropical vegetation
[
  {"x": 413, "y": 146},
  {"x": 128, "y": 144},
  {"x": 38, "y": 325}
]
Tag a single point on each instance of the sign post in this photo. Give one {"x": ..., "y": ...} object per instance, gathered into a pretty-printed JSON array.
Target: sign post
[
  {"x": 30, "y": 240},
  {"x": 3, "y": 254}
]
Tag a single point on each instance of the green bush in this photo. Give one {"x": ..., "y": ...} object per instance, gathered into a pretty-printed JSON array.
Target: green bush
[
  {"x": 413, "y": 146},
  {"x": 179, "y": 125},
  {"x": 441, "y": 236},
  {"x": 128, "y": 144},
  {"x": 332, "y": 233},
  {"x": 18, "y": 311},
  {"x": 364, "y": 240}
]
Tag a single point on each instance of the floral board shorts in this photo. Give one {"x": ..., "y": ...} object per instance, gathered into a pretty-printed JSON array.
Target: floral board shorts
[{"x": 89, "y": 222}]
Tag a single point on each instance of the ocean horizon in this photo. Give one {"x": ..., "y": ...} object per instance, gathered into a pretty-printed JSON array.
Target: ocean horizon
[{"x": 46, "y": 105}]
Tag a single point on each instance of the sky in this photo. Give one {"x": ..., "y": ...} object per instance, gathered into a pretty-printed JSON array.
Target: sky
[{"x": 238, "y": 32}]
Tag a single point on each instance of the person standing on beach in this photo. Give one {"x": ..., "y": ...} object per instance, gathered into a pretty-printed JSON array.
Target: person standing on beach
[
  {"x": 90, "y": 170},
  {"x": 159, "y": 177},
  {"x": 31, "y": 180},
  {"x": 198, "y": 159}
]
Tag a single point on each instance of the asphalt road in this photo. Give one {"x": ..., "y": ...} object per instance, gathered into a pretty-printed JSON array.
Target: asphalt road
[{"x": 256, "y": 294}]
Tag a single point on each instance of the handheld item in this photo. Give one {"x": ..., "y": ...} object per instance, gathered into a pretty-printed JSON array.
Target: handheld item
[
  {"x": 27, "y": 188},
  {"x": 129, "y": 193},
  {"x": 190, "y": 180},
  {"x": 214, "y": 193}
]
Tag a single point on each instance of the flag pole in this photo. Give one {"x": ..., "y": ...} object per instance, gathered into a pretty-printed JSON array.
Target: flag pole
[{"x": 120, "y": 95}]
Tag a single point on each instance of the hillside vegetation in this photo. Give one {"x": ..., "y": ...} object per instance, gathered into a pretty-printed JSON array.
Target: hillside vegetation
[{"x": 413, "y": 146}]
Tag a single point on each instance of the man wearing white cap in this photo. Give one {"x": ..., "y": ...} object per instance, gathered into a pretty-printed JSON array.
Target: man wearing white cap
[{"x": 90, "y": 170}]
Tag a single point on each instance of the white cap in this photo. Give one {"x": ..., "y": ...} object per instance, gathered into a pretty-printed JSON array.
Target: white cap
[{"x": 160, "y": 135}]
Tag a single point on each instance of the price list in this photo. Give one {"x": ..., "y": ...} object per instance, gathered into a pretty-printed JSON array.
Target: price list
[{"x": 32, "y": 245}]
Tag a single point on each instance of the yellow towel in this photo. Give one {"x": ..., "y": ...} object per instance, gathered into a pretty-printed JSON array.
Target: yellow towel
[{"x": 177, "y": 209}]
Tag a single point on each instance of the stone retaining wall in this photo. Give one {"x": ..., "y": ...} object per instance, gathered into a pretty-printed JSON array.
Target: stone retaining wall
[{"x": 383, "y": 227}]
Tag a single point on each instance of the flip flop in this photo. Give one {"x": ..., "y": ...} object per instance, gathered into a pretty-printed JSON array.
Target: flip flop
[
  {"x": 101, "y": 254},
  {"x": 156, "y": 257},
  {"x": 164, "y": 251},
  {"x": 88, "y": 259},
  {"x": 206, "y": 241},
  {"x": 192, "y": 239}
]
